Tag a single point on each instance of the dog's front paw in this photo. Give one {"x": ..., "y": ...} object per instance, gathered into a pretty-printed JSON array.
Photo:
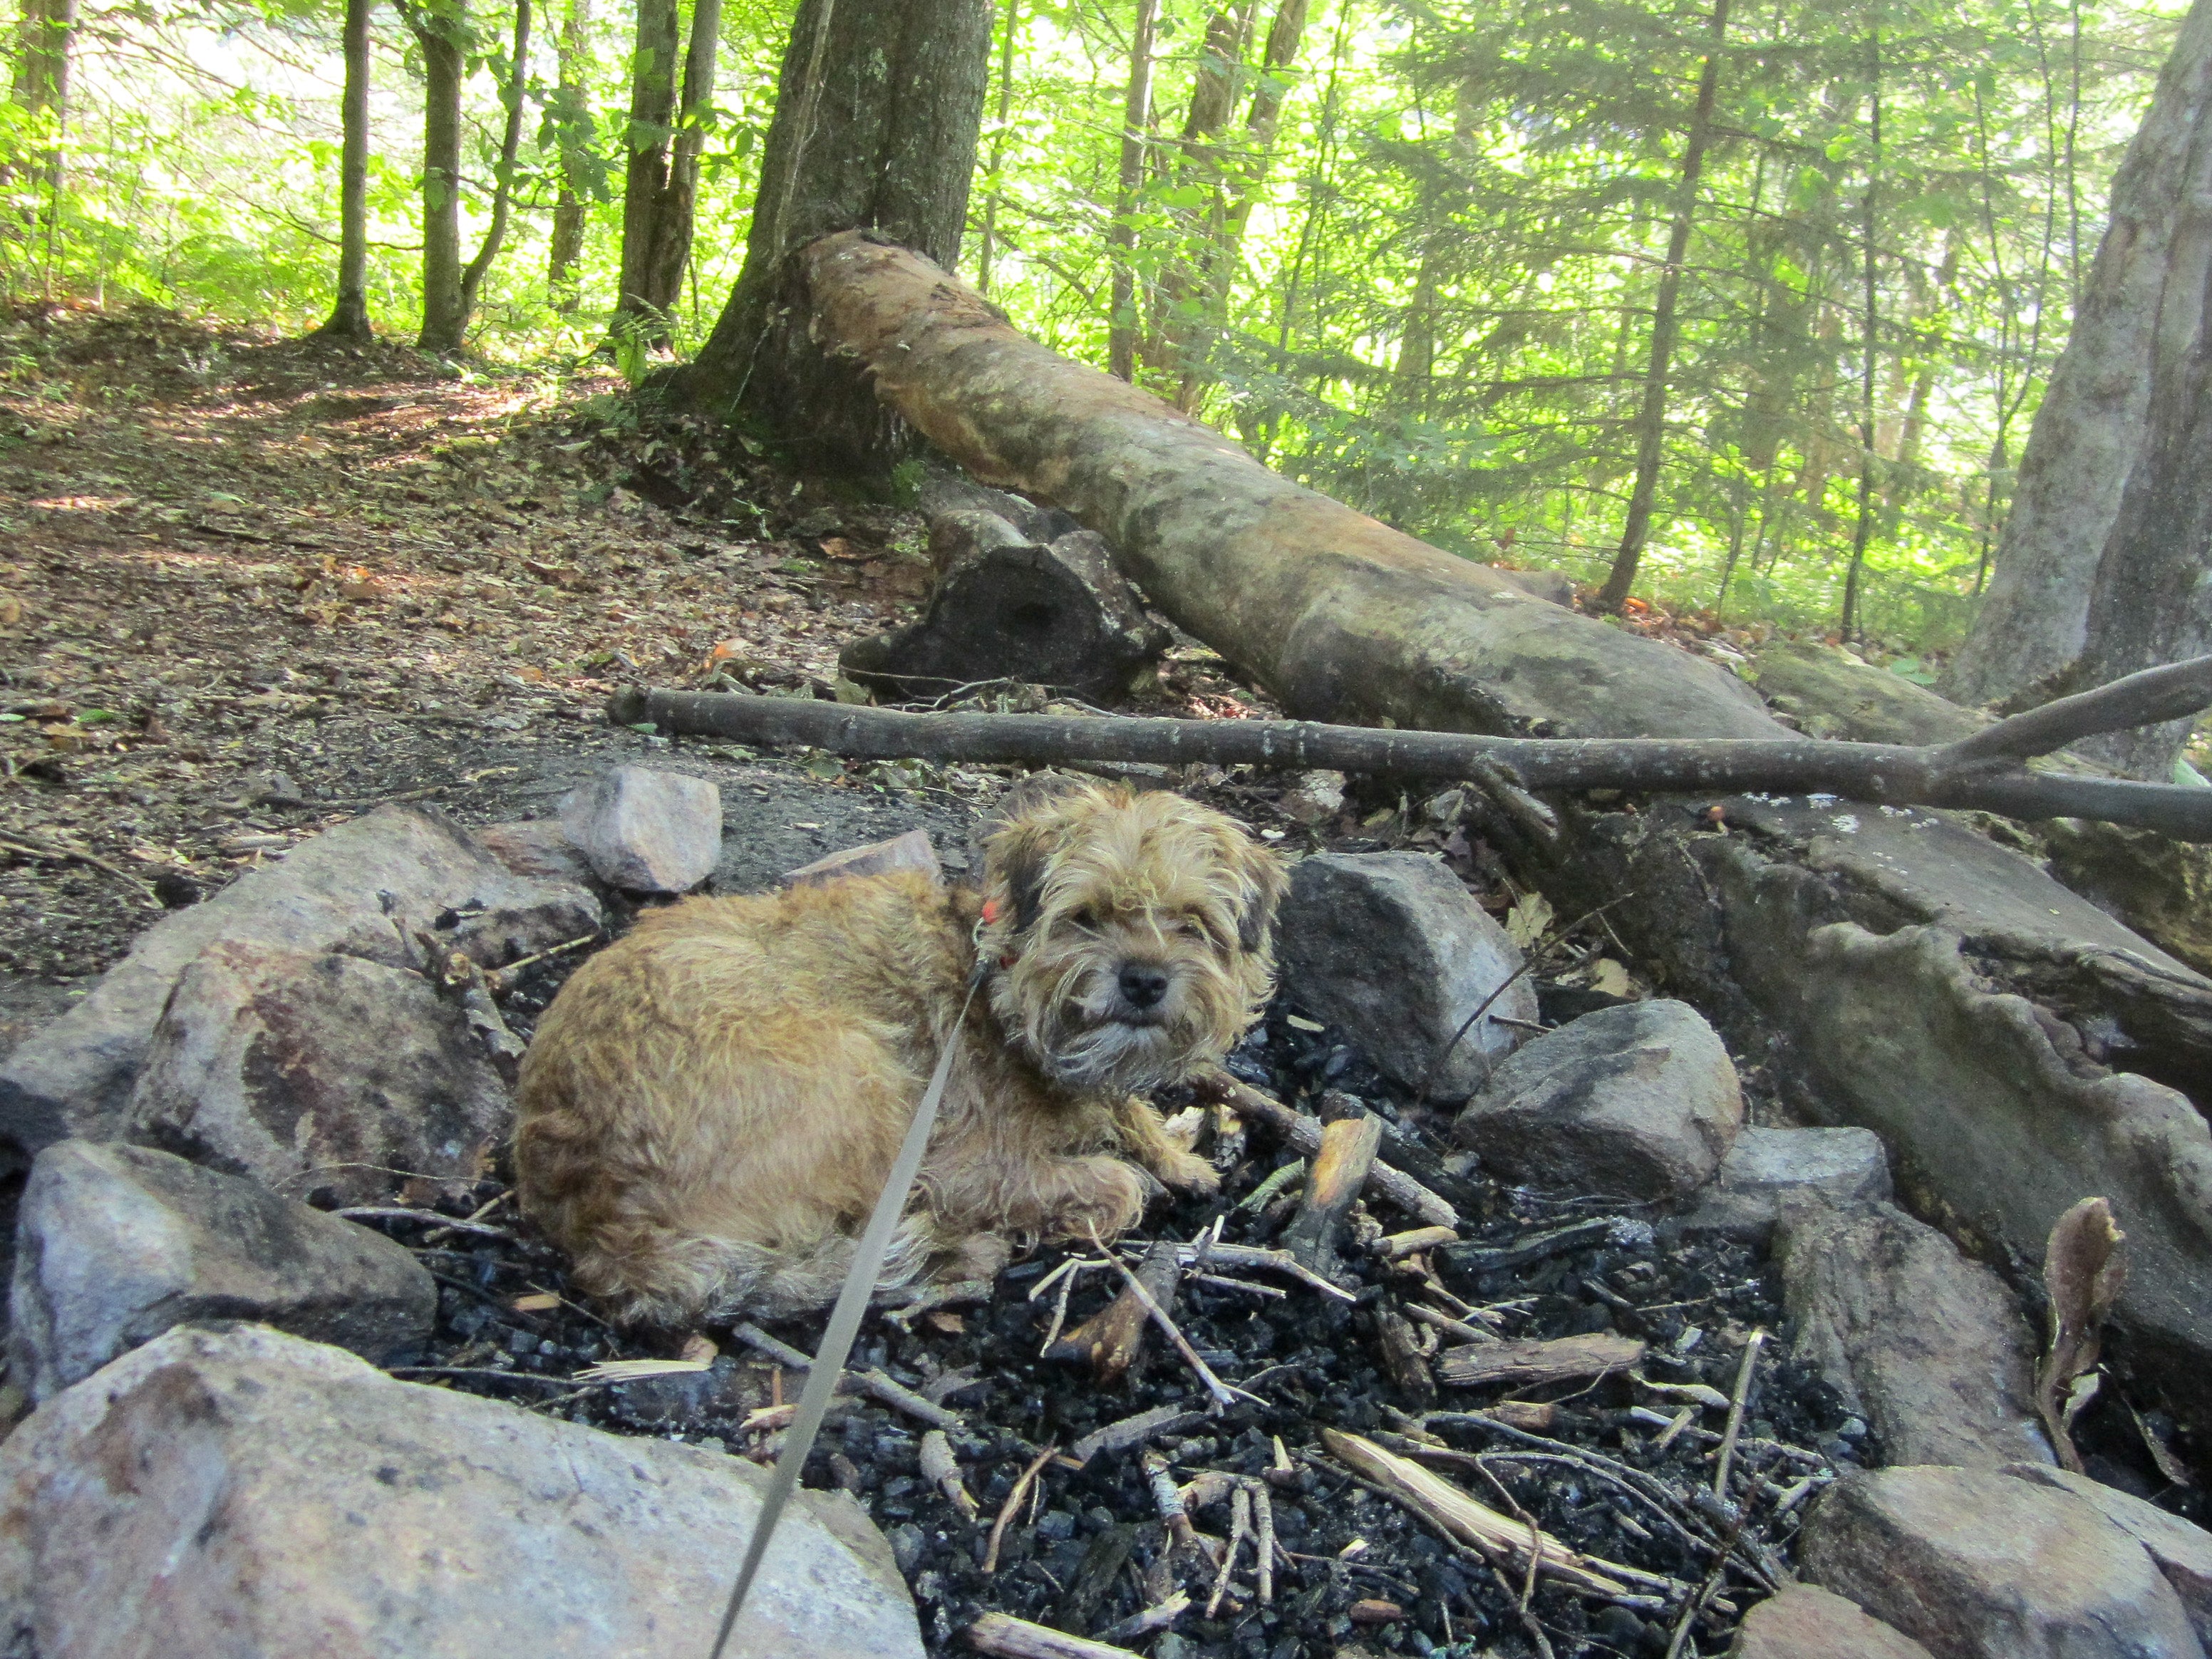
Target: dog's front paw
[{"x": 1187, "y": 1172}]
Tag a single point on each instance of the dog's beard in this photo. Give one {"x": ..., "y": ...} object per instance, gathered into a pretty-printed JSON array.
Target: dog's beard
[{"x": 1072, "y": 1023}]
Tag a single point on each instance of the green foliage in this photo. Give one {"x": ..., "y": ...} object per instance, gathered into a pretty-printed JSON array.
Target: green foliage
[{"x": 1429, "y": 291}]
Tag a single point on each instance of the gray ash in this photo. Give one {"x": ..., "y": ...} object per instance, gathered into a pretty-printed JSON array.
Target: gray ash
[{"x": 1086, "y": 1550}]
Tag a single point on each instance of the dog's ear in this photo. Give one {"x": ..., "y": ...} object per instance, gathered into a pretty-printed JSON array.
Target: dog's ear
[
  {"x": 1264, "y": 878},
  {"x": 1017, "y": 856}
]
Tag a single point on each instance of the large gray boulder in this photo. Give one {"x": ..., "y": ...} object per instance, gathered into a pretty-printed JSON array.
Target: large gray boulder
[
  {"x": 238, "y": 1494},
  {"x": 322, "y": 1076},
  {"x": 1391, "y": 948},
  {"x": 1975, "y": 1564},
  {"x": 646, "y": 830},
  {"x": 1641, "y": 1101},
  {"x": 1765, "y": 1167},
  {"x": 2182, "y": 1549},
  {"x": 360, "y": 889},
  {"x": 1928, "y": 1347},
  {"x": 1802, "y": 1621},
  {"x": 116, "y": 1244}
]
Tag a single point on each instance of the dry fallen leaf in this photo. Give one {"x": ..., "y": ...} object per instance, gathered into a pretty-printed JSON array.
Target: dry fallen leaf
[
  {"x": 1609, "y": 976},
  {"x": 700, "y": 1348},
  {"x": 1526, "y": 923},
  {"x": 2083, "y": 1270}
]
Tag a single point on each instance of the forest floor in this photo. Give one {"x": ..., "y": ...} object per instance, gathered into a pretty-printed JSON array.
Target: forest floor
[{"x": 250, "y": 586}]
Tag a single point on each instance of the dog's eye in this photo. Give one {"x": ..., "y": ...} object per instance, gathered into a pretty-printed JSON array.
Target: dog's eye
[{"x": 1086, "y": 919}]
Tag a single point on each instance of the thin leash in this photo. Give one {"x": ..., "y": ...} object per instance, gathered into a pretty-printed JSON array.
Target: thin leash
[{"x": 852, "y": 1305}]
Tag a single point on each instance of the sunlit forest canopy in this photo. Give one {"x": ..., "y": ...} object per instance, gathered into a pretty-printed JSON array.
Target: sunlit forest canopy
[{"x": 1412, "y": 254}]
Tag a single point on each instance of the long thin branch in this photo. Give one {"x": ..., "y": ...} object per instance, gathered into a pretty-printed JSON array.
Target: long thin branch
[{"x": 1981, "y": 771}]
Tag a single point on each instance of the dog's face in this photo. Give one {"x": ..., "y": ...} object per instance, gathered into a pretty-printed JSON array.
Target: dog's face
[{"x": 1131, "y": 932}]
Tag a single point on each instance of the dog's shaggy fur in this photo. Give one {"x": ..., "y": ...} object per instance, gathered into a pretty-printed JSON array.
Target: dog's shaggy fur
[{"x": 711, "y": 1106}]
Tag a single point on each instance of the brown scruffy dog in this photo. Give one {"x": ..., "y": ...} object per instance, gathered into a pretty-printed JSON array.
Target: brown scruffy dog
[{"x": 710, "y": 1107}]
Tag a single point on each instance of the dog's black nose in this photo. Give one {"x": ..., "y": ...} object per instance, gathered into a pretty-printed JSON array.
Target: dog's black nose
[{"x": 1143, "y": 985}]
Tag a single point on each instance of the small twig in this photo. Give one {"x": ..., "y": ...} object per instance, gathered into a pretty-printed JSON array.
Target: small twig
[
  {"x": 942, "y": 1470},
  {"x": 446, "y": 1224},
  {"x": 1224, "y": 1394},
  {"x": 502, "y": 980},
  {"x": 1167, "y": 1503},
  {"x": 1240, "y": 1524},
  {"x": 1243, "y": 1284},
  {"x": 1158, "y": 1616},
  {"x": 1013, "y": 1503},
  {"x": 1743, "y": 1376},
  {"x": 440, "y": 1235},
  {"x": 1060, "y": 1308},
  {"x": 871, "y": 1382},
  {"x": 1448, "y": 1326},
  {"x": 1276, "y": 1181},
  {"x": 59, "y": 854},
  {"x": 1263, "y": 1525}
]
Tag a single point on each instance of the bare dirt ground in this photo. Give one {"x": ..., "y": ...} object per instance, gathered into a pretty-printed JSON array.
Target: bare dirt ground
[{"x": 252, "y": 587}]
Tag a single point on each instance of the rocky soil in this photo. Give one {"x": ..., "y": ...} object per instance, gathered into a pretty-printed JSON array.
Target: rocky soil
[{"x": 252, "y": 590}]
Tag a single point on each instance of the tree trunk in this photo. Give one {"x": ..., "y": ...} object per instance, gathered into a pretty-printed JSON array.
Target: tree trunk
[
  {"x": 645, "y": 178},
  {"x": 1829, "y": 940},
  {"x": 572, "y": 124},
  {"x": 988, "y": 251},
  {"x": 661, "y": 190},
  {"x": 2152, "y": 599},
  {"x": 2093, "y": 422},
  {"x": 45, "y": 30},
  {"x": 440, "y": 34},
  {"x": 878, "y": 108},
  {"x": 348, "y": 319},
  {"x": 1651, "y": 414},
  {"x": 1247, "y": 180},
  {"x": 1136, "y": 123},
  {"x": 510, "y": 145},
  {"x": 1187, "y": 278},
  {"x": 1869, "y": 341}
]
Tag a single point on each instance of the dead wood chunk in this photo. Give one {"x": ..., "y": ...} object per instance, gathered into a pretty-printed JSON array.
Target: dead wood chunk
[
  {"x": 1005, "y": 607},
  {"x": 1402, "y": 1355},
  {"x": 1375, "y": 1611},
  {"x": 1561, "y": 1359},
  {"x": 1339, "y": 1169},
  {"x": 1132, "y": 1431},
  {"x": 1112, "y": 1340},
  {"x": 1009, "y": 1637},
  {"x": 1536, "y": 1416}
]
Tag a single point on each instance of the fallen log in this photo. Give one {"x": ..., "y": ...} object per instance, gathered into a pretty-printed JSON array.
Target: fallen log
[
  {"x": 2018, "y": 1047},
  {"x": 1983, "y": 770}
]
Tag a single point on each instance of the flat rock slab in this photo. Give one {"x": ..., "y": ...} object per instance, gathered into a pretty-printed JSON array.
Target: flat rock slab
[
  {"x": 1926, "y": 1345},
  {"x": 1765, "y": 1166},
  {"x": 910, "y": 851},
  {"x": 1803, "y": 1622},
  {"x": 2182, "y": 1549},
  {"x": 1641, "y": 1101},
  {"x": 321, "y": 1076},
  {"x": 116, "y": 1244},
  {"x": 237, "y": 1493},
  {"x": 362, "y": 889},
  {"x": 1975, "y": 1564},
  {"x": 646, "y": 830},
  {"x": 1391, "y": 948}
]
